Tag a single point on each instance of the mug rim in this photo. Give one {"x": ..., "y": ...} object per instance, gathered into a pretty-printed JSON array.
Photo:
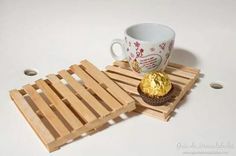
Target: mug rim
[{"x": 143, "y": 41}]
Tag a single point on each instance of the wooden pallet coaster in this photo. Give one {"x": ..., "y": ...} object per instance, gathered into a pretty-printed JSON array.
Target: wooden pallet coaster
[
  {"x": 61, "y": 108},
  {"x": 182, "y": 77}
]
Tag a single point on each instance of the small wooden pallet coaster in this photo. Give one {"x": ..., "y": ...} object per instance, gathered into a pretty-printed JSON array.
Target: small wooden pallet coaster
[
  {"x": 60, "y": 108},
  {"x": 182, "y": 77}
]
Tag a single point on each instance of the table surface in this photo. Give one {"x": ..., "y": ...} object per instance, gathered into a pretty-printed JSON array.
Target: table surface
[{"x": 51, "y": 35}]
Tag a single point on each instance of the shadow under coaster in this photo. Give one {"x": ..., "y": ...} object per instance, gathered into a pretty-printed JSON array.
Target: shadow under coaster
[
  {"x": 62, "y": 108},
  {"x": 181, "y": 76}
]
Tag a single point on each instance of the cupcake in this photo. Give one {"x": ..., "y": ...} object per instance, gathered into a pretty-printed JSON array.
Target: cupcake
[{"x": 155, "y": 88}]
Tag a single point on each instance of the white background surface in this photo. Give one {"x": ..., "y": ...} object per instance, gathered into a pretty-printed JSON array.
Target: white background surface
[{"x": 51, "y": 35}]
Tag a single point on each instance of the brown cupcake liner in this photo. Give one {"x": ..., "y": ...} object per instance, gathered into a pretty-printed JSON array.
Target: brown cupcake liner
[{"x": 154, "y": 100}]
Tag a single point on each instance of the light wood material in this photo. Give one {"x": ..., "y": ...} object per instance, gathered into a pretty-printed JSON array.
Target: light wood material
[
  {"x": 78, "y": 106},
  {"x": 100, "y": 91},
  {"x": 181, "y": 76},
  {"x": 126, "y": 75},
  {"x": 58, "y": 103},
  {"x": 184, "y": 68},
  {"x": 122, "y": 78},
  {"x": 32, "y": 117},
  {"x": 103, "y": 79},
  {"x": 79, "y": 88},
  {"x": 61, "y": 109},
  {"x": 46, "y": 110}
]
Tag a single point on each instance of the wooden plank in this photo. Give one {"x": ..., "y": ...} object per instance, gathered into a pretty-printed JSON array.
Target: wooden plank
[
  {"x": 163, "y": 108},
  {"x": 78, "y": 106},
  {"x": 59, "y": 104},
  {"x": 122, "y": 78},
  {"x": 32, "y": 118},
  {"x": 102, "y": 78},
  {"x": 184, "y": 68},
  {"x": 92, "y": 84},
  {"x": 178, "y": 72},
  {"x": 91, "y": 100},
  {"x": 151, "y": 113},
  {"x": 128, "y": 88},
  {"x": 178, "y": 79},
  {"x": 46, "y": 111},
  {"x": 122, "y": 71}
]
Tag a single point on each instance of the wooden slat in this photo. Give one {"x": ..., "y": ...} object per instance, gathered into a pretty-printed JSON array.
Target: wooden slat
[
  {"x": 144, "y": 110},
  {"x": 162, "y": 108},
  {"x": 92, "y": 101},
  {"x": 184, "y": 68},
  {"x": 152, "y": 113},
  {"x": 46, "y": 111},
  {"x": 92, "y": 84},
  {"x": 102, "y": 78},
  {"x": 32, "y": 117},
  {"x": 128, "y": 88},
  {"x": 122, "y": 78},
  {"x": 124, "y": 72},
  {"x": 178, "y": 79},
  {"x": 178, "y": 72},
  {"x": 58, "y": 103},
  {"x": 78, "y": 106}
]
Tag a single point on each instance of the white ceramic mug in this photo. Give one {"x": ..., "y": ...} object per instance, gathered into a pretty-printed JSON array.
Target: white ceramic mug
[{"x": 146, "y": 46}]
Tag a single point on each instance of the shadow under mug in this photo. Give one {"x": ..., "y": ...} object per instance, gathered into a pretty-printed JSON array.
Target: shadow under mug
[{"x": 146, "y": 46}]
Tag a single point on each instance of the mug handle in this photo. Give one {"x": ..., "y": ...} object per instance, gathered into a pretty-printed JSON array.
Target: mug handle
[{"x": 121, "y": 43}]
